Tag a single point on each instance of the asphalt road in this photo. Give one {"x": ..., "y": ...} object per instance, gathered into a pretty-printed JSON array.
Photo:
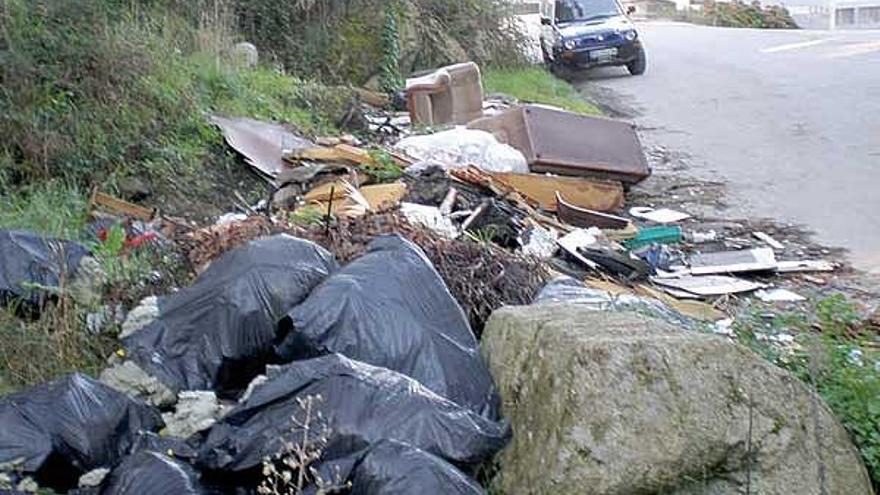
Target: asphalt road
[{"x": 790, "y": 120}]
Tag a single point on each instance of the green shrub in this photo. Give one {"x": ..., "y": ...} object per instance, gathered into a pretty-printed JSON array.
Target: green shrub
[
  {"x": 745, "y": 15},
  {"x": 844, "y": 371},
  {"x": 342, "y": 41},
  {"x": 536, "y": 85}
]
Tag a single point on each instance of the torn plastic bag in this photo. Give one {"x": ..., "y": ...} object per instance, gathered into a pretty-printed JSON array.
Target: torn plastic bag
[
  {"x": 360, "y": 404},
  {"x": 31, "y": 265},
  {"x": 218, "y": 334},
  {"x": 151, "y": 473},
  {"x": 59, "y": 430},
  {"x": 390, "y": 308},
  {"x": 394, "y": 468}
]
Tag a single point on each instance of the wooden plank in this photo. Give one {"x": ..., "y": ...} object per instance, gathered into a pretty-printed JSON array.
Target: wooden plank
[
  {"x": 120, "y": 207},
  {"x": 592, "y": 194}
]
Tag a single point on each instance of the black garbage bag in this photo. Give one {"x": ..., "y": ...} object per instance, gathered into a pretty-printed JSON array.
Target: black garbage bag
[
  {"x": 390, "y": 308},
  {"x": 218, "y": 334},
  {"x": 59, "y": 430},
  {"x": 31, "y": 264},
  {"x": 176, "y": 447},
  {"x": 152, "y": 473},
  {"x": 394, "y": 468},
  {"x": 359, "y": 405}
]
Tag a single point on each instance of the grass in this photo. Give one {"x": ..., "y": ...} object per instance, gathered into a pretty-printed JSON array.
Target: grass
[
  {"x": 844, "y": 370},
  {"x": 95, "y": 92},
  {"x": 536, "y": 85}
]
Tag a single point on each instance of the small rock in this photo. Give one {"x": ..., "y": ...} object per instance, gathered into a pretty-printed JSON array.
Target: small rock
[
  {"x": 28, "y": 485},
  {"x": 86, "y": 285},
  {"x": 131, "y": 379},
  {"x": 195, "y": 411},
  {"x": 93, "y": 478},
  {"x": 139, "y": 317},
  {"x": 246, "y": 54}
]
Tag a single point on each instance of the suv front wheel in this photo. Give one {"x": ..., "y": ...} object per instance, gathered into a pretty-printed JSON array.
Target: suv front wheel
[{"x": 637, "y": 67}]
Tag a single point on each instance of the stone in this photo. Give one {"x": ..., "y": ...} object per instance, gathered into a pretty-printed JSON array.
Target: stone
[
  {"x": 87, "y": 283},
  {"x": 195, "y": 411},
  {"x": 129, "y": 378},
  {"x": 608, "y": 402},
  {"x": 93, "y": 478},
  {"x": 139, "y": 317},
  {"x": 246, "y": 54}
]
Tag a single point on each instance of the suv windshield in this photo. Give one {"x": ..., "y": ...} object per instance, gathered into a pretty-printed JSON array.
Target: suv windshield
[{"x": 585, "y": 10}]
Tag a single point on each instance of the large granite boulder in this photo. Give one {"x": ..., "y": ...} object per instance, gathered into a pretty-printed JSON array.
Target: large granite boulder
[{"x": 619, "y": 403}]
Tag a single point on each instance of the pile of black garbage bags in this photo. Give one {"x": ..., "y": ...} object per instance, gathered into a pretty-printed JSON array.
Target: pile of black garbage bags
[{"x": 402, "y": 399}]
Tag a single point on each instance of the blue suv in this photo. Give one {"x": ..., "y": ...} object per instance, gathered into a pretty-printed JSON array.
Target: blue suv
[{"x": 582, "y": 34}]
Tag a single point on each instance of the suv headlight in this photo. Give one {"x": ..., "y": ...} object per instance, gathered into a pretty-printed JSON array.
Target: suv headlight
[
  {"x": 631, "y": 35},
  {"x": 569, "y": 44}
]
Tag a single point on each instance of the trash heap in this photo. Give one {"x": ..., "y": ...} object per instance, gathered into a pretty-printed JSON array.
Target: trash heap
[
  {"x": 333, "y": 329},
  {"x": 277, "y": 358}
]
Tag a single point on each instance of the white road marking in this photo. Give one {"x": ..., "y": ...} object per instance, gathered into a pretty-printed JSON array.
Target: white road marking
[
  {"x": 795, "y": 46},
  {"x": 856, "y": 49}
]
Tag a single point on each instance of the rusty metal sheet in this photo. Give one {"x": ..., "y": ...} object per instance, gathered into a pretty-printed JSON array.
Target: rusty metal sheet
[
  {"x": 263, "y": 144},
  {"x": 568, "y": 143},
  {"x": 593, "y": 194}
]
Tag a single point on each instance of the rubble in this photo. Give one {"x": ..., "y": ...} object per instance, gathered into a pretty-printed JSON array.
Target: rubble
[
  {"x": 195, "y": 411},
  {"x": 140, "y": 316},
  {"x": 129, "y": 378}
]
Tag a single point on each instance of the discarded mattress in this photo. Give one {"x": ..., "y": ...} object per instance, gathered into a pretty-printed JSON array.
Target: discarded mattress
[
  {"x": 218, "y": 334},
  {"x": 29, "y": 261},
  {"x": 151, "y": 473},
  {"x": 568, "y": 143},
  {"x": 360, "y": 405},
  {"x": 394, "y": 468},
  {"x": 62, "y": 429},
  {"x": 390, "y": 308}
]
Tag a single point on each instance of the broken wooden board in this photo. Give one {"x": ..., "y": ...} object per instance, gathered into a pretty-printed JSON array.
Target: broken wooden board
[
  {"x": 119, "y": 207},
  {"x": 592, "y": 194},
  {"x": 754, "y": 260},
  {"x": 321, "y": 192},
  {"x": 584, "y": 218},
  {"x": 379, "y": 197},
  {"x": 711, "y": 285}
]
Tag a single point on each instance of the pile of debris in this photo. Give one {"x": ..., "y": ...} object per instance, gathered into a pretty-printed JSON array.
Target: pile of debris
[
  {"x": 541, "y": 182},
  {"x": 358, "y": 291}
]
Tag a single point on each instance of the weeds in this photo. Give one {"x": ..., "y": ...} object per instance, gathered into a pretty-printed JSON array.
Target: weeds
[
  {"x": 536, "y": 85},
  {"x": 292, "y": 470},
  {"x": 383, "y": 167},
  {"x": 55, "y": 344},
  {"x": 823, "y": 354}
]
